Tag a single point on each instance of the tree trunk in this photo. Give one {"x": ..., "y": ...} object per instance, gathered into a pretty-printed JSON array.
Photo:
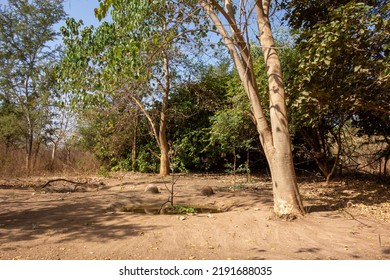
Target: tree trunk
[
  {"x": 247, "y": 169},
  {"x": 164, "y": 149},
  {"x": 234, "y": 164},
  {"x": 53, "y": 154},
  {"x": 164, "y": 158},
  {"x": 29, "y": 147},
  {"x": 30, "y": 132},
  {"x": 284, "y": 185},
  {"x": 285, "y": 189},
  {"x": 134, "y": 143},
  {"x": 38, "y": 146}
]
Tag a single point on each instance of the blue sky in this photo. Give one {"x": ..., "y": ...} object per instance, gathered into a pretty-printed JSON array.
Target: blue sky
[
  {"x": 78, "y": 9},
  {"x": 82, "y": 9}
]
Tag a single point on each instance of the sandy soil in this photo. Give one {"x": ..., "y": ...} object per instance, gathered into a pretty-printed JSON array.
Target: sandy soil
[{"x": 105, "y": 219}]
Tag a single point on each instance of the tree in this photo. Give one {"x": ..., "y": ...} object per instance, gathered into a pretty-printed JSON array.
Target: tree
[
  {"x": 274, "y": 135},
  {"x": 232, "y": 125},
  {"x": 341, "y": 75},
  {"x": 110, "y": 131},
  {"x": 130, "y": 57},
  {"x": 230, "y": 130},
  {"x": 26, "y": 30},
  {"x": 232, "y": 21}
]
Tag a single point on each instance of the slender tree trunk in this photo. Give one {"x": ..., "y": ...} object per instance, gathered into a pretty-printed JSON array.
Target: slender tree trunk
[
  {"x": 134, "y": 143},
  {"x": 29, "y": 128},
  {"x": 234, "y": 163},
  {"x": 164, "y": 149},
  {"x": 29, "y": 151},
  {"x": 53, "y": 154},
  {"x": 159, "y": 135},
  {"x": 248, "y": 171},
  {"x": 38, "y": 146}
]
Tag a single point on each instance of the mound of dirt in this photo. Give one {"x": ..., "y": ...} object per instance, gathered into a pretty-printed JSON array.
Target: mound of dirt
[
  {"x": 152, "y": 189},
  {"x": 207, "y": 191}
]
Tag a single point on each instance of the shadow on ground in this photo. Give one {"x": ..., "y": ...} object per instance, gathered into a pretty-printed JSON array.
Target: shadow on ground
[
  {"x": 77, "y": 220},
  {"x": 343, "y": 193}
]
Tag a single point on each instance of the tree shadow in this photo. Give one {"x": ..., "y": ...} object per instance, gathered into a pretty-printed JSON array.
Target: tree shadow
[
  {"x": 258, "y": 252},
  {"x": 138, "y": 183},
  {"x": 319, "y": 208},
  {"x": 386, "y": 251},
  {"x": 83, "y": 220},
  {"x": 308, "y": 250},
  {"x": 261, "y": 194},
  {"x": 346, "y": 192}
]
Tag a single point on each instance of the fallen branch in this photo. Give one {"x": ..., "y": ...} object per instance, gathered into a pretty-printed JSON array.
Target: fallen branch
[{"x": 63, "y": 180}]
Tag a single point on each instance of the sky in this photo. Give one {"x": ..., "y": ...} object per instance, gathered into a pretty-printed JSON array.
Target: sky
[
  {"x": 82, "y": 9},
  {"x": 78, "y": 9}
]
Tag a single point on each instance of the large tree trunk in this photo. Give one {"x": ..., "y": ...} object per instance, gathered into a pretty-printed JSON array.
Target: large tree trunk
[{"x": 286, "y": 196}]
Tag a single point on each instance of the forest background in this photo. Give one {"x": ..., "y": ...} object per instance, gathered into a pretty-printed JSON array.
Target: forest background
[{"x": 80, "y": 99}]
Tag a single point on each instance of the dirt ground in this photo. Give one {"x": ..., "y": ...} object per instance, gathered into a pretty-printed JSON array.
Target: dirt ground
[{"x": 112, "y": 218}]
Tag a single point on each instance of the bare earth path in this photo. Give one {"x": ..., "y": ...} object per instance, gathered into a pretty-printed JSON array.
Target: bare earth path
[{"x": 101, "y": 220}]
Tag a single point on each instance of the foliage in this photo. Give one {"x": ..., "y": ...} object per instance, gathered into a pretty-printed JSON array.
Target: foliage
[
  {"x": 231, "y": 128},
  {"x": 304, "y": 14},
  {"x": 146, "y": 161},
  {"x": 137, "y": 55},
  {"x": 184, "y": 209},
  {"x": 9, "y": 123},
  {"x": 341, "y": 76},
  {"x": 336, "y": 75},
  {"x": 191, "y": 106},
  {"x": 227, "y": 128}
]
